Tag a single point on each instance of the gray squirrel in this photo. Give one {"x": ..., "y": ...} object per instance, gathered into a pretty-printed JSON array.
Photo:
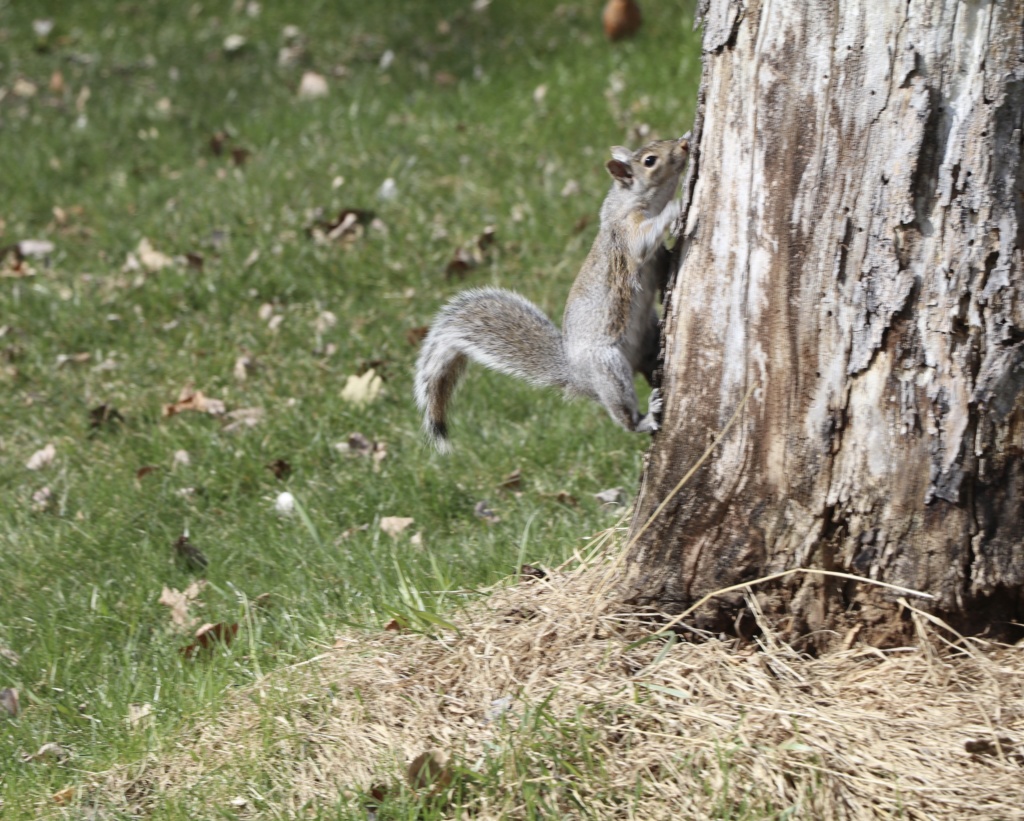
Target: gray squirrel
[{"x": 610, "y": 326}]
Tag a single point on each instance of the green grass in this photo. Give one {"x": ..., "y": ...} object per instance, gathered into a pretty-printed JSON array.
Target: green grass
[{"x": 80, "y": 579}]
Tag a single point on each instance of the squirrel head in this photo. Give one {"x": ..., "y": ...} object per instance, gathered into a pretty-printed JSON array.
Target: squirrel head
[{"x": 651, "y": 167}]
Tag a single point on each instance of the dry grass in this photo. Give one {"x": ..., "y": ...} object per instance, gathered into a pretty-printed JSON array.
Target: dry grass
[{"x": 601, "y": 726}]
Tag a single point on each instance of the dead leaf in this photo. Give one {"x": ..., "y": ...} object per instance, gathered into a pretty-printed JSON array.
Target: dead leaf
[
  {"x": 612, "y": 496},
  {"x": 140, "y": 716},
  {"x": 217, "y": 142},
  {"x": 312, "y": 86},
  {"x": 348, "y": 227},
  {"x": 189, "y": 400},
  {"x": 190, "y": 554},
  {"x": 42, "y": 458},
  {"x": 528, "y": 571},
  {"x": 51, "y": 751},
  {"x": 281, "y": 468},
  {"x": 42, "y": 499},
  {"x": 145, "y": 470},
  {"x": 429, "y": 769},
  {"x": 35, "y": 248},
  {"x": 486, "y": 238},
  {"x": 351, "y": 531},
  {"x": 394, "y": 525},
  {"x": 445, "y": 79},
  {"x": 394, "y": 626},
  {"x": 362, "y": 390},
  {"x": 9, "y": 701},
  {"x": 461, "y": 263},
  {"x": 57, "y": 82},
  {"x": 233, "y": 44},
  {"x": 243, "y": 365},
  {"x": 73, "y": 358},
  {"x": 512, "y": 481},
  {"x": 263, "y": 600},
  {"x": 179, "y": 602},
  {"x": 237, "y": 420},
  {"x": 149, "y": 258},
  {"x": 65, "y": 796},
  {"x": 239, "y": 156},
  {"x": 104, "y": 415},
  {"x": 195, "y": 260},
  {"x": 324, "y": 322},
  {"x": 566, "y": 498},
  {"x": 208, "y": 636},
  {"x": 414, "y": 336}
]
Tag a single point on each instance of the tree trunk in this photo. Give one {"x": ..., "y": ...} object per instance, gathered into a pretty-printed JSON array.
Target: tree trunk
[{"x": 852, "y": 250}]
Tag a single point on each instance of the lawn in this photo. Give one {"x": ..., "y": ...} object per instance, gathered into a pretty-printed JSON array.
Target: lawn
[{"x": 184, "y": 198}]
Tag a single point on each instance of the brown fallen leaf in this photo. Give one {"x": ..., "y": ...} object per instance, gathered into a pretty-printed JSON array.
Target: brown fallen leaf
[
  {"x": 104, "y": 416},
  {"x": 362, "y": 390},
  {"x": 394, "y": 525},
  {"x": 140, "y": 716},
  {"x": 145, "y": 470},
  {"x": 148, "y": 258},
  {"x": 51, "y": 751},
  {"x": 208, "y": 636},
  {"x": 243, "y": 365},
  {"x": 394, "y": 626},
  {"x": 180, "y": 601},
  {"x": 72, "y": 359},
  {"x": 612, "y": 496},
  {"x": 512, "y": 481},
  {"x": 281, "y": 468},
  {"x": 312, "y": 86},
  {"x": 414, "y": 336},
  {"x": 566, "y": 498},
  {"x": 9, "y": 701},
  {"x": 42, "y": 458},
  {"x": 429, "y": 770},
  {"x": 189, "y": 400},
  {"x": 348, "y": 533},
  {"x": 263, "y": 601},
  {"x": 528, "y": 572},
  {"x": 42, "y": 499},
  {"x": 240, "y": 155},
  {"x": 242, "y": 418},
  {"x": 349, "y": 226},
  {"x": 217, "y": 142},
  {"x": 65, "y": 796}
]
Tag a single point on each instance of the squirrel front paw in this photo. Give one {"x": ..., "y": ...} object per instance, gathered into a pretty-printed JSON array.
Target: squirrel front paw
[{"x": 656, "y": 403}]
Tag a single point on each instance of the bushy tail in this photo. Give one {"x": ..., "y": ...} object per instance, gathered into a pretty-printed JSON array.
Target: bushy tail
[{"x": 500, "y": 330}]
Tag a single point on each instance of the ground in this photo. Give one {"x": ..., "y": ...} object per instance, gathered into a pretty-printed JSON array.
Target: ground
[{"x": 184, "y": 180}]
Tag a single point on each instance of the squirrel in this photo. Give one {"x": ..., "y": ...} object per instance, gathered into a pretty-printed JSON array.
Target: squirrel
[{"x": 610, "y": 325}]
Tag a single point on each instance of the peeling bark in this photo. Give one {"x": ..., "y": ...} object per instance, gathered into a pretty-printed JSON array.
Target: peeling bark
[{"x": 852, "y": 245}]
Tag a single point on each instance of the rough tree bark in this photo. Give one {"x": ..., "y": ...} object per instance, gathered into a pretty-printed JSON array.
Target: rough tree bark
[{"x": 853, "y": 248}]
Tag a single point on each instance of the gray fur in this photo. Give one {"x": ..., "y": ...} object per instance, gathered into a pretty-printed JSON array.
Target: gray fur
[{"x": 610, "y": 327}]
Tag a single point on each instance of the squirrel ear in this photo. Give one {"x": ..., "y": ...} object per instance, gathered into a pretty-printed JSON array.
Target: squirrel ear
[
  {"x": 621, "y": 153},
  {"x": 621, "y": 171}
]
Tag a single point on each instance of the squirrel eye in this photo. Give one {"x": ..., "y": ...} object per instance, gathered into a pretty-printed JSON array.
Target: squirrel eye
[{"x": 650, "y": 160}]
